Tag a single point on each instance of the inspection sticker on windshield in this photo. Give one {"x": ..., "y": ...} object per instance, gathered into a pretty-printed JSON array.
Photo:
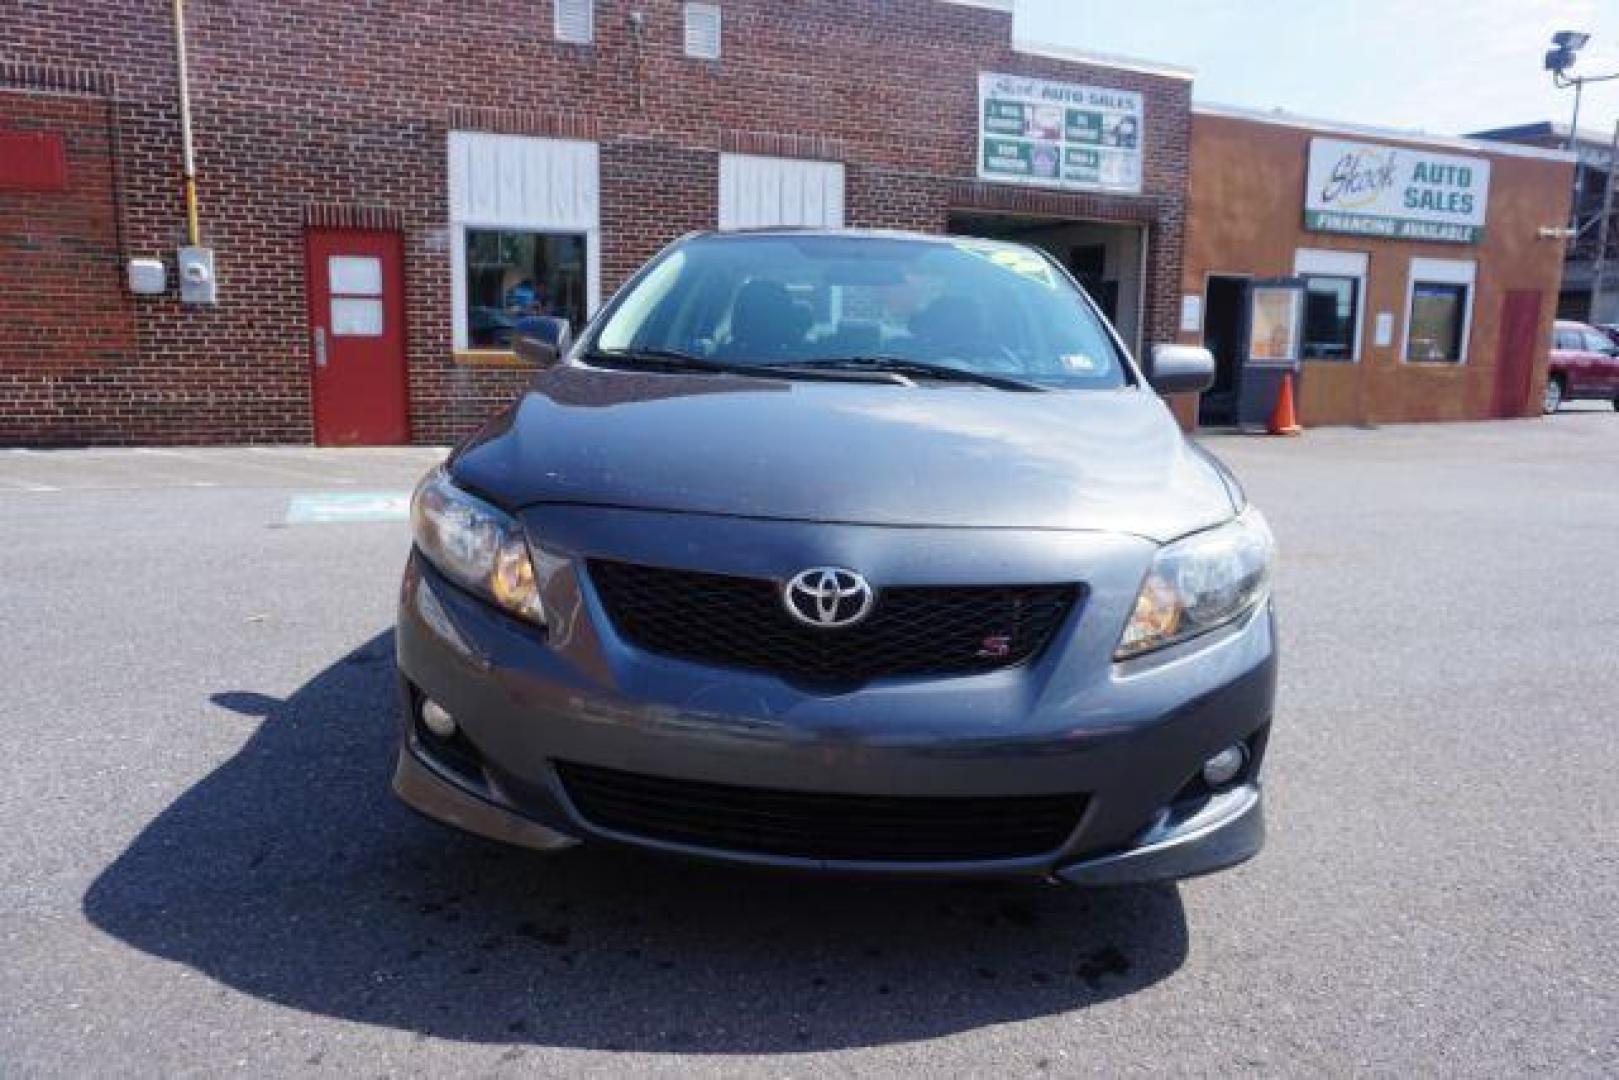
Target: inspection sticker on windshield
[
  {"x": 330, "y": 507},
  {"x": 1020, "y": 261}
]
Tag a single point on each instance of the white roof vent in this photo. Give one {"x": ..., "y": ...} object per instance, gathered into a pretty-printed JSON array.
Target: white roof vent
[
  {"x": 703, "y": 31},
  {"x": 575, "y": 20}
]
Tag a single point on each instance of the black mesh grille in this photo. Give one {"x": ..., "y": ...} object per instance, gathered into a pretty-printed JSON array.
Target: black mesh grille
[
  {"x": 912, "y": 631},
  {"x": 818, "y": 825}
]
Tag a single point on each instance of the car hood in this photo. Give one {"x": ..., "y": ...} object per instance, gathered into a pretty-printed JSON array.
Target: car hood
[{"x": 848, "y": 452}]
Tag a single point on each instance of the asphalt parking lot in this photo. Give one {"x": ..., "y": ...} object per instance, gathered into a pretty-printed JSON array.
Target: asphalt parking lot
[{"x": 201, "y": 869}]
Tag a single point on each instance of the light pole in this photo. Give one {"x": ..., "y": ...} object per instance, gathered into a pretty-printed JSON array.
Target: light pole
[{"x": 1559, "y": 59}]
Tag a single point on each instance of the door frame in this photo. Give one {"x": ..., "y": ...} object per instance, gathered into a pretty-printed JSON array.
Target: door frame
[
  {"x": 1242, "y": 336},
  {"x": 395, "y": 279}
]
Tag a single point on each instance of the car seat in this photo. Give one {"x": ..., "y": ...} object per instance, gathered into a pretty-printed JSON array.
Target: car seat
[{"x": 765, "y": 323}]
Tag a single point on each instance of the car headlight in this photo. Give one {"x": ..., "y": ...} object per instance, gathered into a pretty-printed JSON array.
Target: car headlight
[
  {"x": 475, "y": 545},
  {"x": 1203, "y": 581}
]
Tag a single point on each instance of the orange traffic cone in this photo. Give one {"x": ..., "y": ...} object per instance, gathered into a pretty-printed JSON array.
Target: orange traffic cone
[{"x": 1282, "y": 419}]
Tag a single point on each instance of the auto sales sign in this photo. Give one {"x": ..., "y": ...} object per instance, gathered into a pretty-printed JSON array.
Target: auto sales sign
[{"x": 1374, "y": 190}]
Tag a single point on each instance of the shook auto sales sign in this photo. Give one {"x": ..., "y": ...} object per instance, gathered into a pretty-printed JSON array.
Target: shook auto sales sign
[
  {"x": 1035, "y": 131},
  {"x": 1374, "y": 190}
]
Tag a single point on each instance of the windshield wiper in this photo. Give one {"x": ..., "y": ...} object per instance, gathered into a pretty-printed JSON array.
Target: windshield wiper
[
  {"x": 663, "y": 360},
  {"x": 920, "y": 369},
  {"x": 672, "y": 360}
]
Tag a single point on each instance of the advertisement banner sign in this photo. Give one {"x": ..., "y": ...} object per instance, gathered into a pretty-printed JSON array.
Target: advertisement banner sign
[
  {"x": 1034, "y": 131},
  {"x": 1393, "y": 191}
]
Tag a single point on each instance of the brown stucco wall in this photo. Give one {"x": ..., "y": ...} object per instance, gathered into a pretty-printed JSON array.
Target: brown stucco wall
[{"x": 1245, "y": 215}]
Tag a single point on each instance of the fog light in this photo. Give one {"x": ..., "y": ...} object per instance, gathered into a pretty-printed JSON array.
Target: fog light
[
  {"x": 1225, "y": 766},
  {"x": 438, "y": 720}
]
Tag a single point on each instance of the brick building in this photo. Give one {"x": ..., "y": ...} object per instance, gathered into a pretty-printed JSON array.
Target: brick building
[
  {"x": 1403, "y": 277},
  {"x": 387, "y": 188}
]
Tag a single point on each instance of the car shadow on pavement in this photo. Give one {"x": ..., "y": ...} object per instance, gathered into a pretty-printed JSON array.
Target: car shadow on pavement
[{"x": 291, "y": 874}]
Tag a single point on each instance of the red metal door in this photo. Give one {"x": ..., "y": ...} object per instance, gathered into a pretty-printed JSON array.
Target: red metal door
[
  {"x": 1515, "y": 355},
  {"x": 357, "y": 336}
]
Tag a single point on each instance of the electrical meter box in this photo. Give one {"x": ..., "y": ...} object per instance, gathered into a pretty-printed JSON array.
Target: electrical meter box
[
  {"x": 197, "y": 284},
  {"x": 148, "y": 277}
]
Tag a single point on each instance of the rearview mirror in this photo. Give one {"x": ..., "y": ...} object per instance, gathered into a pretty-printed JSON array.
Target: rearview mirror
[
  {"x": 1181, "y": 369},
  {"x": 542, "y": 340}
]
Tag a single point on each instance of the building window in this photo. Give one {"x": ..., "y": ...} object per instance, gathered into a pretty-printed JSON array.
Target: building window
[
  {"x": 1438, "y": 313},
  {"x": 525, "y": 229},
  {"x": 1439, "y": 310},
  {"x": 575, "y": 21},
  {"x": 703, "y": 31},
  {"x": 1334, "y": 293},
  {"x": 514, "y": 277},
  {"x": 1331, "y": 314},
  {"x": 355, "y": 285}
]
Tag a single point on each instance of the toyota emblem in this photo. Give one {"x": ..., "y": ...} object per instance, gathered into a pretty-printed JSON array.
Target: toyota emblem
[{"x": 828, "y": 597}]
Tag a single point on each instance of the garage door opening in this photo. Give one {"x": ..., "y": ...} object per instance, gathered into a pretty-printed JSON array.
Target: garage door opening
[{"x": 1107, "y": 258}]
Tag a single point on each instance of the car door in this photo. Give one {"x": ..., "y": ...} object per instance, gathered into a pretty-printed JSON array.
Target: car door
[
  {"x": 1576, "y": 362},
  {"x": 1604, "y": 363},
  {"x": 1590, "y": 377},
  {"x": 1565, "y": 356}
]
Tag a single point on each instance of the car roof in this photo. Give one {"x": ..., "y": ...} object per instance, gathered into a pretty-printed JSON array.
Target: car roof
[{"x": 1572, "y": 324}]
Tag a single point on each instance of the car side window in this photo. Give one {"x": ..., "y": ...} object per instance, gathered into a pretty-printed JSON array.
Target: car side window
[
  {"x": 1567, "y": 339},
  {"x": 1597, "y": 343}
]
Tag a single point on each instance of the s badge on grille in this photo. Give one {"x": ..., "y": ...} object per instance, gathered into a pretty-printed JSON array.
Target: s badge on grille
[{"x": 828, "y": 597}]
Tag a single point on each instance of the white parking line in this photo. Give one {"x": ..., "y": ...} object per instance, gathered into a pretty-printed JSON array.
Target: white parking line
[
  {"x": 313, "y": 474},
  {"x": 324, "y": 508}
]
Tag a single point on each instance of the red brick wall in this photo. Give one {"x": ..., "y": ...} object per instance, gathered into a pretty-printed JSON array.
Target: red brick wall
[
  {"x": 65, "y": 321},
  {"x": 306, "y": 102}
]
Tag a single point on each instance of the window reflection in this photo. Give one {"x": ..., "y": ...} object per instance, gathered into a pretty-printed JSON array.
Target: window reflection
[{"x": 513, "y": 276}]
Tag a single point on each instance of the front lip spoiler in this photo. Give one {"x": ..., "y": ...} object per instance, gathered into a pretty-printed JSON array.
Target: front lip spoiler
[
  {"x": 1227, "y": 830},
  {"x": 421, "y": 787}
]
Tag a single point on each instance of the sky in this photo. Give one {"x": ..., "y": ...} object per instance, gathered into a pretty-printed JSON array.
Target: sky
[{"x": 1441, "y": 66}]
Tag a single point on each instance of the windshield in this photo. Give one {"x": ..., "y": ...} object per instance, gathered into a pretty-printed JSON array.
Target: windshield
[{"x": 997, "y": 309}]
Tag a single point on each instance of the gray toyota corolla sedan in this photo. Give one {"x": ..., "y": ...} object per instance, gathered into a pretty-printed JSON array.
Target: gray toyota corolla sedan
[{"x": 867, "y": 552}]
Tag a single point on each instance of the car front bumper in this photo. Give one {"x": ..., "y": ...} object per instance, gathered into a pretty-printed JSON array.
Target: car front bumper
[
  {"x": 1230, "y": 830},
  {"x": 1130, "y": 737}
]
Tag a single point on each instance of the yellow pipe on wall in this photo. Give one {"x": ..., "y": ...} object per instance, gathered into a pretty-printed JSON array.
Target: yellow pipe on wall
[{"x": 188, "y": 156}]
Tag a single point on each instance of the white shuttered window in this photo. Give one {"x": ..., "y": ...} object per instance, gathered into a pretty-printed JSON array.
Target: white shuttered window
[
  {"x": 703, "y": 31},
  {"x": 505, "y": 188},
  {"x": 769, "y": 192},
  {"x": 575, "y": 21}
]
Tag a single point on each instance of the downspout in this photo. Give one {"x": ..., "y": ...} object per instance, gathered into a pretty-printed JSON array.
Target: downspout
[{"x": 189, "y": 160}]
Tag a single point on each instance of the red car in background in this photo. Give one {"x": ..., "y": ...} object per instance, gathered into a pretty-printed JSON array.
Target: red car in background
[{"x": 1584, "y": 363}]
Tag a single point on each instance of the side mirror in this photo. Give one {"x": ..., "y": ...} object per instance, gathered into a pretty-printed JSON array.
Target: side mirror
[
  {"x": 542, "y": 340},
  {"x": 1181, "y": 369}
]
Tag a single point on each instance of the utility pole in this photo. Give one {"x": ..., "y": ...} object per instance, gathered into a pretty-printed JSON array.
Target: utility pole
[
  {"x": 1602, "y": 230},
  {"x": 1566, "y": 44}
]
